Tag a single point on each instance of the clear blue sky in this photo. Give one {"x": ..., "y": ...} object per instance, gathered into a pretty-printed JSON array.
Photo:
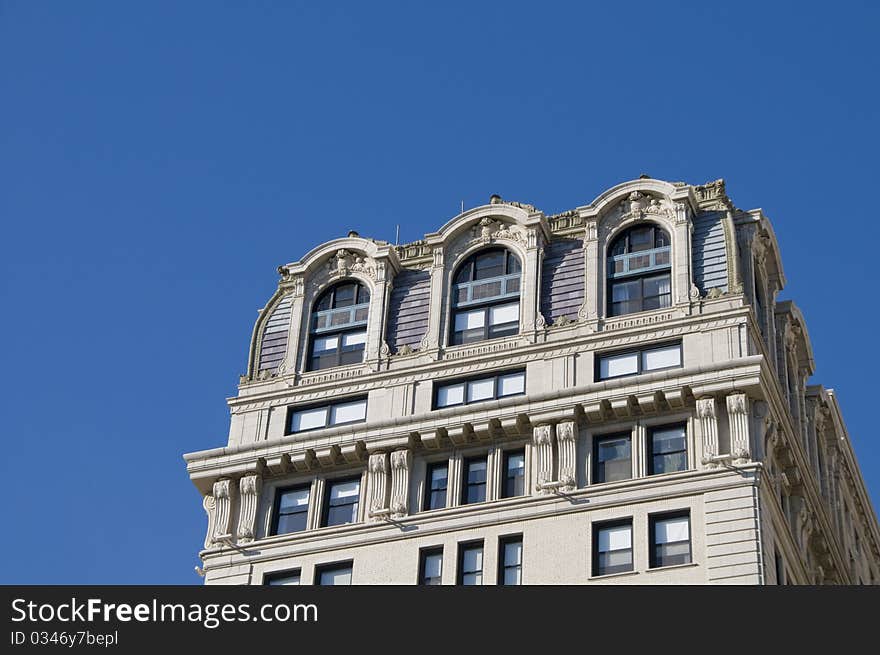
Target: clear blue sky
[{"x": 158, "y": 160}]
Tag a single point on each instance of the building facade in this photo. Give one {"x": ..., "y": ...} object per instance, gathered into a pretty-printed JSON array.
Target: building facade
[{"x": 609, "y": 395}]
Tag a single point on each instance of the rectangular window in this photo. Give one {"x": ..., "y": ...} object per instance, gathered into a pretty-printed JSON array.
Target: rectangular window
[
  {"x": 510, "y": 550},
  {"x": 474, "y": 488},
  {"x": 282, "y": 578},
  {"x": 612, "y": 547},
  {"x": 668, "y": 445},
  {"x": 643, "y": 360},
  {"x": 463, "y": 392},
  {"x": 430, "y": 566},
  {"x": 291, "y": 510},
  {"x": 670, "y": 539},
  {"x": 470, "y": 563},
  {"x": 435, "y": 485},
  {"x": 514, "y": 474},
  {"x": 323, "y": 416},
  {"x": 341, "y": 504},
  {"x": 328, "y": 575},
  {"x": 613, "y": 458}
]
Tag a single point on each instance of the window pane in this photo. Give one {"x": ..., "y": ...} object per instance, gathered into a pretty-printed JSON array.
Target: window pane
[
  {"x": 481, "y": 389},
  {"x": 668, "y": 530},
  {"x": 512, "y": 576},
  {"x": 511, "y": 384},
  {"x": 668, "y": 440},
  {"x": 504, "y": 314},
  {"x": 354, "y": 339},
  {"x": 613, "y": 459},
  {"x": 641, "y": 239},
  {"x": 472, "y": 560},
  {"x": 615, "y": 538},
  {"x": 513, "y": 553},
  {"x": 344, "y": 491},
  {"x": 514, "y": 482},
  {"x": 513, "y": 265},
  {"x": 433, "y": 568},
  {"x": 489, "y": 264},
  {"x": 352, "y": 356},
  {"x": 308, "y": 419},
  {"x": 669, "y": 463},
  {"x": 476, "y": 471},
  {"x": 486, "y": 290},
  {"x": 323, "y": 344},
  {"x": 349, "y": 412},
  {"x": 340, "y": 576},
  {"x": 295, "y": 500},
  {"x": 470, "y": 320},
  {"x": 661, "y": 358},
  {"x": 344, "y": 295},
  {"x": 615, "y": 365},
  {"x": 450, "y": 395},
  {"x": 295, "y": 522},
  {"x": 283, "y": 580}
]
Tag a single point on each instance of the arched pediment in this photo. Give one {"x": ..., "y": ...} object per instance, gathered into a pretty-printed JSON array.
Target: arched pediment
[
  {"x": 487, "y": 220},
  {"x": 342, "y": 257}
]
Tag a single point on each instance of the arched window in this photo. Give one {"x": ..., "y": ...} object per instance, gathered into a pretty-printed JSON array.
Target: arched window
[
  {"x": 339, "y": 326},
  {"x": 485, "y": 296},
  {"x": 639, "y": 276}
]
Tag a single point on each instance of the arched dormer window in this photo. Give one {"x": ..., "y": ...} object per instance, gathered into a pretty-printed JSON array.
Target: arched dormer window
[
  {"x": 485, "y": 296},
  {"x": 338, "y": 326},
  {"x": 639, "y": 276}
]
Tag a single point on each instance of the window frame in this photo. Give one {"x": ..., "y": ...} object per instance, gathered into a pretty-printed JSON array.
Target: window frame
[
  {"x": 653, "y": 519},
  {"x": 599, "y": 438},
  {"x": 278, "y": 575},
  {"x": 596, "y": 528},
  {"x": 426, "y": 500},
  {"x": 314, "y": 333},
  {"x": 424, "y": 554},
  {"x": 640, "y": 275},
  {"x": 649, "y": 446},
  {"x": 640, "y": 352},
  {"x": 464, "y": 546},
  {"x": 328, "y": 405},
  {"x": 328, "y": 490},
  {"x": 466, "y": 381},
  {"x": 505, "y": 470},
  {"x": 503, "y": 543},
  {"x": 484, "y": 304},
  {"x": 465, "y": 485},
  {"x": 321, "y": 569},
  {"x": 276, "y": 507}
]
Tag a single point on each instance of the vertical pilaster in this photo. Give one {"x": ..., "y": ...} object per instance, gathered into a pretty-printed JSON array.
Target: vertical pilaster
[
  {"x": 594, "y": 292},
  {"x": 377, "y": 483},
  {"x": 708, "y": 430},
  {"x": 542, "y": 437},
  {"x": 566, "y": 442},
  {"x": 681, "y": 251},
  {"x": 316, "y": 503},
  {"x": 376, "y": 320},
  {"x": 401, "y": 463},
  {"x": 435, "y": 313},
  {"x": 639, "y": 448},
  {"x": 224, "y": 497},
  {"x": 494, "y": 461},
  {"x": 250, "y": 486},
  {"x": 738, "y": 413},
  {"x": 294, "y": 360}
]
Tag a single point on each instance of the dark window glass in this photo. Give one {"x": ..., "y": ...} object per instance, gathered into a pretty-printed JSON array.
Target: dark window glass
[
  {"x": 612, "y": 547},
  {"x": 431, "y": 566},
  {"x": 514, "y": 474},
  {"x": 638, "y": 271},
  {"x": 283, "y": 578},
  {"x": 474, "y": 489},
  {"x": 341, "y": 504},
  {"x": 668, "y": 449},
  {"x": 613, "y": 458},
  {"x": 510, "y": 561},
  {"x": 460, "y": 392},
  {"x": 486, "y": 297},
  {"x": 329, "y": 575},
  {"x": 339, "y": 326},
  {"x": 291, "y": 510},
  {"x": 436, "y": 483},
  {"x": 470, "y": 563},
  {"x": 670, "y": 540}
]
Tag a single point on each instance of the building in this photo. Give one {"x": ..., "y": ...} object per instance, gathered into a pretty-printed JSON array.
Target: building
[{"x": 612, "y": 394}]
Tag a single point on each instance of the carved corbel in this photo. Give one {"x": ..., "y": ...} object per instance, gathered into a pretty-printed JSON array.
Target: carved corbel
[
  {"x": 542, "y": 438},
  {"x": 401, "y": 463},
  {"x": 566, "y": 438},
  {"x": 209, "y": 505},
  {"x": 249, "y": 487},
  {"x": 738, "y": 413},
  {"x": 224, "y": 497},
  {"x": 377, "y": 471},
  {"x": 709, "y": 430}
]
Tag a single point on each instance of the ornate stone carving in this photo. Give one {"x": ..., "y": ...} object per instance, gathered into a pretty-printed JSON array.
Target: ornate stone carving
[
  {"x": 401, "y": 461},
  {"x": 224, "y": 497},
  {"x": 249, "y": 486},
  {"x": 566, "y": 438},
  {"x": 542, "y": 437},
  {"x": 209, "y": 505},
  {"x": 540, "y": 321},
  {"x": 708, "y": 429},
  {"x": 344, "y": 263},
  {"x": 638, "y": 206},
  {"x": 377, "y": 471},
  {"x": 738, "y": 413}
]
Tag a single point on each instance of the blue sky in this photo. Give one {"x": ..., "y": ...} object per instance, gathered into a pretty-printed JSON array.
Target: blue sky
[{"x": 159, "y": 160}]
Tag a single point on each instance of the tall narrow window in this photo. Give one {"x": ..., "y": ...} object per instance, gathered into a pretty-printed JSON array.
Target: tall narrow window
[
  {"x": 470, "y": 563},
  {"x": 670, "y": 539},
  {"x": 328, "y": 575},
  {"x": 612, "y": 457},
  {"x": 339, "y": 326},
  {"x": 486, "y": 296},
  {"x": 431, "y": 566},
  {"x": 436, "y": 482},
  {"x": 291, "y": 510},
  {"x": 474, "y": 488},
  {"x": 341, "y": 505},
  {"x": 639, "y": 276},
  {"x": 612, "y": 547},
  {"x": 668, "y": 449},
  {"x": 510, "y": 550},
  {"x": 514, "y": 474}
]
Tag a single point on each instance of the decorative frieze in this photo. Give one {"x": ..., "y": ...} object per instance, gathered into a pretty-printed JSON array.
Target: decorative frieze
[
  {"x": 401, "y": 464},
  {"x": 708, "y": 429},
  {"x": 224, "y": 497},
  {"x": 738, "y": 414},
  {"x": 377, "y": 482},
  {"x": 249, "y": 495}
]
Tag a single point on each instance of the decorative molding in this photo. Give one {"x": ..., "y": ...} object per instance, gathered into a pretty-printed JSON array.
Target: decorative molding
[
  {"x": 401, "y": 463},
  {"x": 738, "y": 413},
  {"x": 344, "y": 263},
  {"x": 209, "y": 506},
  {"x": 566, "y": 440},
  {"x": 249, "y": 488},
  {"x": 542, "y": 437},
  {"x": 224, "y": 497},
  {"x": 377, "y": 480},
  {"x": 708, "y": 429}
]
